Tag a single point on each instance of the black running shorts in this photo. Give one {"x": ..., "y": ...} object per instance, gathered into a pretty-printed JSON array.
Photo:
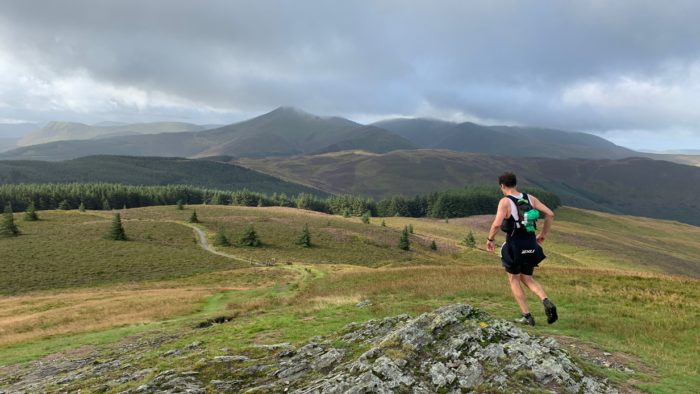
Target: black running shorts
[{"x": 521, "y": 253}]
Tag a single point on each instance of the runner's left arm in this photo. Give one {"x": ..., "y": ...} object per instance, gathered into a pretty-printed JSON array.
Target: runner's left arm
[{"x": 549, "y": 218}]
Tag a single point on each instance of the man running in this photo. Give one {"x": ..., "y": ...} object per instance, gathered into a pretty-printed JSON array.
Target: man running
[{"x": 521, "y": 252}]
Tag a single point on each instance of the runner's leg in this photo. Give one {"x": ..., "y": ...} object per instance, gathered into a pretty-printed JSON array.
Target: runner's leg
[
  {"x": 532, "y": 284},
  {"x": 514, "y": 280}
]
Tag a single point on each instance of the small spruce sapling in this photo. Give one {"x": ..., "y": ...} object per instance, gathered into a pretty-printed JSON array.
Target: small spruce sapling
[
  {"x": 193, "y": 217},
  {"x": 404, "y": 242},
  {"x": 305, "y": 237},
  {"x": 365, "y": 217},
  {"x": 433, "y": 245},
  {"x": 469, "y": 240},
  {"x": 30, "y": 214},
  {"x": 116, "y": 231},
  {"x": 8, "y": 228},
  {"x": 249, "y": 237},
  {"x": 179, "y": 206},
  {"x": 221, "y": 238}
]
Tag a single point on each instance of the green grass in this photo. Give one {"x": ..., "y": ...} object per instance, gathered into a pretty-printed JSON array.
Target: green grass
[
  {"x": 66, "y": 249},
  {"x": 609, "y": 276}
]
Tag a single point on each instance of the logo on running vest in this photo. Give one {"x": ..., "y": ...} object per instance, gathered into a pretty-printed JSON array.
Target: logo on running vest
[{"x": 527, "y": 251}]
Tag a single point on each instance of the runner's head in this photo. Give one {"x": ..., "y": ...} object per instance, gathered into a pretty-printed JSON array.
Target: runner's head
[{"x": 507, "y": 181}]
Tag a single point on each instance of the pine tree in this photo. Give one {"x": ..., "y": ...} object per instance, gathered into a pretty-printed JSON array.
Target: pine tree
[
  {"x": 64, "y": 205},
  {"x": 305, "y": 237},
  {"x": 433, "y": 245},
  {"x": 383, "y": 223},
  {"x": 447, "y": 219},
  {"x": 469, "y": 240},
  {"x": 410, "y": 228},
  {"x": 249, "y": 237},
  {"x": 81, "y": 208},
  {"x": 8, "y": 228},
  {"x": 116, "y": 231},
  {"x": 105, "y": 204},
  {"x": 404, "y": 242},
  {"x": 30, "y": 214},
  {"x": 193, "y": 217},
  {"x": 260, "y": 202},
  {"x": 221, "y": 238},
  {"x": 365, "y": 217},
  {"x": 180, "y": 207}
]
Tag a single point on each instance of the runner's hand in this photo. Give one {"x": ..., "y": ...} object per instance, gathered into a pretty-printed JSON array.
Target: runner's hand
[
  {"x": 490, "y": 246},
  {"x": 540, "y": 239}
]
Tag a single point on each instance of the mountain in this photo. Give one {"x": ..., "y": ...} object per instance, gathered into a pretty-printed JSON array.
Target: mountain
[
  {"x": 16, "y": 130},
  {"x": 634, "y": 186},
  {"x": 68, "y": 131},
  {"x": 504, "y": 140},
  {"x": 282, "y": 132},
  {"x": 148, "y": 171}
]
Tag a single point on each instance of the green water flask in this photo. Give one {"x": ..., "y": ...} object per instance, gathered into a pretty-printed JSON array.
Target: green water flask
[{"x": 529, "y": 219}]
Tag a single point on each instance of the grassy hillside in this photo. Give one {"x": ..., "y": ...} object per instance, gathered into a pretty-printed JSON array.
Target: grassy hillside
[
  {"x": 625, "y": 186},
  {"x": 132, "y": 170},
  {"x": 608, "y": 274}
]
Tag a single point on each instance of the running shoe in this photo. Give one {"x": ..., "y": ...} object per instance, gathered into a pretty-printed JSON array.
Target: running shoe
[
  {"x": 528, "y": 320},
  {"x": 550, "y": 310}
]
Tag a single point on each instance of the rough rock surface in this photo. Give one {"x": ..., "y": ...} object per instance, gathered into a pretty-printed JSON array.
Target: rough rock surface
[{"x": 450, "y": 350}]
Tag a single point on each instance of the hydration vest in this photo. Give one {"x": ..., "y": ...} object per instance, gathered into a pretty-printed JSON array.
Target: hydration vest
[{"x": 527, "y": 216}]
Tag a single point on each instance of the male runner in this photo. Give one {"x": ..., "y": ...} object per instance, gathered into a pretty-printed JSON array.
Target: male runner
[{"x": 521, "y": 252}]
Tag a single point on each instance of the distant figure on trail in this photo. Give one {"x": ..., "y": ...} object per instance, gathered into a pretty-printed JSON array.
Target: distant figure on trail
[{"x": 521, "y": 252}]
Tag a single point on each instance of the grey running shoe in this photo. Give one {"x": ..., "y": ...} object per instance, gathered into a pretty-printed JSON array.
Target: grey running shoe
[
  {"x": 526, "y": 320},
  {"x": 550, "y": 310}
]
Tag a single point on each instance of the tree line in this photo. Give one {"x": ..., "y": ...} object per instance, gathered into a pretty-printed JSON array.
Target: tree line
[{"x": 106, "y": 196}]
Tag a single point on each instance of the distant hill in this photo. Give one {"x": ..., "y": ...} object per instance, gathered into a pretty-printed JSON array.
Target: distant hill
[
  {"x": 65, "y": 131},
  {"x": 148, "y": 171},
  {"x": 282, "y": 132},
  {"x": 504, "y": 140},
  {"x": 635, "y": 186}
]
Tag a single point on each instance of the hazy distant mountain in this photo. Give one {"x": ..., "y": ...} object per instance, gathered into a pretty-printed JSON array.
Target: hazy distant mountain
[
  {"x": 284, "y": 131},
  {"x": 148, "y": 171},
  {"x": 636, "y": 186},
  {"x": 68, "y": 131},
  {"x": 7, "y": 144},
  {"x": 504, "y": 140},
  {"x": 16, "y": 130}
]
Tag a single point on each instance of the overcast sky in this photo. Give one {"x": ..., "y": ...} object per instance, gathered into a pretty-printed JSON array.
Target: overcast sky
[{"x": 629, "y": 70}]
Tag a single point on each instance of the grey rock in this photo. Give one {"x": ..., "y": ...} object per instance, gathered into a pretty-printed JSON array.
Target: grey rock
[{"x": 230, "y": 359}]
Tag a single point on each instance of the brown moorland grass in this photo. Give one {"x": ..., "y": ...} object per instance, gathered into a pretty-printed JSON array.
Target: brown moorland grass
[{"x": 45, "y": 314}]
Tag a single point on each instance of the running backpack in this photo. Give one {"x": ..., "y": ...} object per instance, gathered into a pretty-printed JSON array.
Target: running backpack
[{"x": 527, "y": 216}]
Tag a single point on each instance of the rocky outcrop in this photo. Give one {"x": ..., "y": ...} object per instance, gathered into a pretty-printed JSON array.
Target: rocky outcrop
[{"x": 453, "y": 349}]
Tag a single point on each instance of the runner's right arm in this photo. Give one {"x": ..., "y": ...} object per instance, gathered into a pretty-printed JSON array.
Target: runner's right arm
[{"x": 501, "y": 213}]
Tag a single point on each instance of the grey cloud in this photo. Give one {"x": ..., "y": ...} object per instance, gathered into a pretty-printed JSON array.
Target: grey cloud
[{"x": 509, "y": 60}]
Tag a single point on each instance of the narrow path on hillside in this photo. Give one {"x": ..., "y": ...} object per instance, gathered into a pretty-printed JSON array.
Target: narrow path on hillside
[{"x": 204, "y": 244}]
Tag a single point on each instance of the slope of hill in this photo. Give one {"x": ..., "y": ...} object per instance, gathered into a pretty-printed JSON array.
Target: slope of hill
[
  {"x": 636, "y": 186},
  {"x": 147, "y": 171},
  {"x": 65, "y": 131},
  {"x": 504, "y": 140},
  {"x": 160, "y": 312}
]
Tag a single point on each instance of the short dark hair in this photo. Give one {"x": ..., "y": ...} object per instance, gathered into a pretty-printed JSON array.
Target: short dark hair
[{"x": 508, "y": 179}]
